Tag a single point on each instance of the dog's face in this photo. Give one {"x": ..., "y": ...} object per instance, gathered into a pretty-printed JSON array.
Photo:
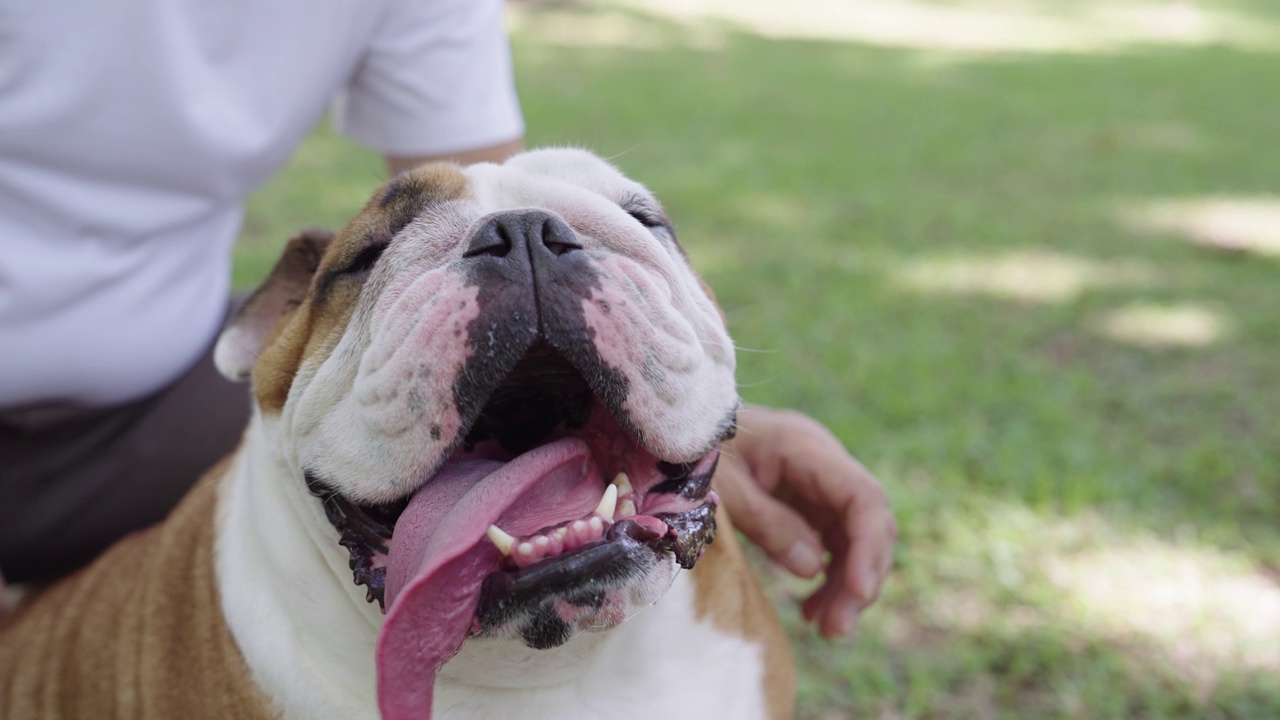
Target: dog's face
[{"x": 507, "y": 385}]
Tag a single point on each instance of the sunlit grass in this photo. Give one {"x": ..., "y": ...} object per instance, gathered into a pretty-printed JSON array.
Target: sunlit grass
[
  {"x": 1143, "y": 324},
  {"x": 1231, "y": 224},
  {"x": 951, "y": 265},
  {"x": 1027, "y": 275}
]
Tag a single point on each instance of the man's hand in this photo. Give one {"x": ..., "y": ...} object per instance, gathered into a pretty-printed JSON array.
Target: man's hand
[{"x": 790, "y": 486}]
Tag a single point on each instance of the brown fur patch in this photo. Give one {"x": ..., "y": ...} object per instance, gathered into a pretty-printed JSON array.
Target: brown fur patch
[
  {"x": 317, "y": 322},
  {"x": 728, "y": 593},
  {"x": 138, "y": 634}
]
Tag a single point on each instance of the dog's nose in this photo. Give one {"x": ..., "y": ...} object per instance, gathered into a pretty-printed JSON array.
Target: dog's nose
[{"x": 524, "y": 232}]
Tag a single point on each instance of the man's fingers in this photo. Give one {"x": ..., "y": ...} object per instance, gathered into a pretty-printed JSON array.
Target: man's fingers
[
  {"x": 842, "y": 604},
  {"x": 783, "y": 533},
  {"x": 827, "y": 477},
  {"x": 832, "y": 608},
  {"x": 869, "y": 524}
]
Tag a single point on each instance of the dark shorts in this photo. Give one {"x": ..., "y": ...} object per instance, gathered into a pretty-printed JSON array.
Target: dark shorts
[{"x": 73, "y": 481}]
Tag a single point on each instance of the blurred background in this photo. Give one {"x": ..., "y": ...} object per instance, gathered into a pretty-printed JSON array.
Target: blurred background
[{"x": 1023, "y": 257}]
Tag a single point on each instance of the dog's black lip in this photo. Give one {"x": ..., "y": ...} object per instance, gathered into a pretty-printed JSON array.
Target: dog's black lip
[
  {"x": 363, "y": 530},
  {"x": 681, "y": 481}
]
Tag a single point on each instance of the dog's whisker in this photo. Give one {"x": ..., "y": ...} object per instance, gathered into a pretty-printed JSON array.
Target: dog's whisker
[{"x": 743, "y": 348}]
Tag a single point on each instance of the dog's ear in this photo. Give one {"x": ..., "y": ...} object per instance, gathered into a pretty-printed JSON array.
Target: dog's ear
[{"x": 283, "y": 290}]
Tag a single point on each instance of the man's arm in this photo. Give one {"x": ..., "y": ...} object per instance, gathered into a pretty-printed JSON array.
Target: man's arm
[{"x": 397, "y": 164}]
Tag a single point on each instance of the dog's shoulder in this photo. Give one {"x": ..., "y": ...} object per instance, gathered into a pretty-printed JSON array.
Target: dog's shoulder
[
  {"x": 139, "y": 633},
  {"x": 729, "y": 595}
]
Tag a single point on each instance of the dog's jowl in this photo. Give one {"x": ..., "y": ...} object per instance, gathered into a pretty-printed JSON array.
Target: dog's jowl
[{"x": 488, "y": 413}]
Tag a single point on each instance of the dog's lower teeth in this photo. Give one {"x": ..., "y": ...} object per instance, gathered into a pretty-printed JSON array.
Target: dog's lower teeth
[{"x": 526, "y": 551}]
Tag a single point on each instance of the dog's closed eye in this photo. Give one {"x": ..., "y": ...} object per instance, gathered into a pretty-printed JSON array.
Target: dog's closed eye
[
  {"x": 646, "y": 217},
  {"x": 364, "y": 261},
  {"x": 644, "y": 211}
]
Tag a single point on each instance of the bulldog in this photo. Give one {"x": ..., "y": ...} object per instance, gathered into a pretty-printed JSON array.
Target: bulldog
[{"x": 477, "y": 484}]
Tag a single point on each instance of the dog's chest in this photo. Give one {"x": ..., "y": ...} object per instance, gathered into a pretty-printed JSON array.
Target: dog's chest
[{"x": 664, "y": 663}]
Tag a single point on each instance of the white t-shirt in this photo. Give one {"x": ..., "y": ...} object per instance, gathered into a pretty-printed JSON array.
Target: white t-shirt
[{"x": 131, "y": 131}]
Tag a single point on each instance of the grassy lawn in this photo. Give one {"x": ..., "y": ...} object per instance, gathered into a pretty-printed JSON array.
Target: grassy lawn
[{"x": 975, "y": 267}]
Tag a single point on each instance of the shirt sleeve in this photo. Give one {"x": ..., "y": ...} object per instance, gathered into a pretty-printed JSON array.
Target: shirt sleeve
[{"x": 436, "y": 78}]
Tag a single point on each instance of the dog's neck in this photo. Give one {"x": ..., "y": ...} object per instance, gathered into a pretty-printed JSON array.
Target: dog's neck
[
  {"x": 306, "y": 633},
  {"x": 309, "y": 636}
]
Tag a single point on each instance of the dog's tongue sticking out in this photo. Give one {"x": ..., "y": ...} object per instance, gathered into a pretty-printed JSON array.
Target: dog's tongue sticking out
[{"x": 437, "y": 562}]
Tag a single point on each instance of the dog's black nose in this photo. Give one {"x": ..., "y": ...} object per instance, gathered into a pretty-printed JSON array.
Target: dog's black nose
[{"x": 525, "y": 233}]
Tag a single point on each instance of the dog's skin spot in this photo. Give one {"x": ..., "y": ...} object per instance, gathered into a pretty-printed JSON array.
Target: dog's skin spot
[
  {"x": 651, "y": 371},
  {"x": 417, "y": 404},
  {"x": 435, "y": 432}
]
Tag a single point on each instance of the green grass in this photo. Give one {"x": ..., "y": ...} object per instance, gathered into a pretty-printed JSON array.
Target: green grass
[{"x": 1090, "y": 527}]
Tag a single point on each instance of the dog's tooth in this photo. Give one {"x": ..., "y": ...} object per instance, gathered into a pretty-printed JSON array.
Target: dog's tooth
[
  {"x": 626, "y": 509},
  {"x": 525, "y": 549},
  {"x": 596, "y": 525},
  {"x": 501, "y": 538},
  {"x": 542, "y": 542},
  {"x": 623, "y": 484},
  {"x": 578, "y": 535},
  {"x": 560, "y": 533},
  {"x": 608, "y": 503}
]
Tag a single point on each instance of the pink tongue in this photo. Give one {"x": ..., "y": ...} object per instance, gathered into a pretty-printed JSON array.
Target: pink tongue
[{"x": 436, "y": 562}]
